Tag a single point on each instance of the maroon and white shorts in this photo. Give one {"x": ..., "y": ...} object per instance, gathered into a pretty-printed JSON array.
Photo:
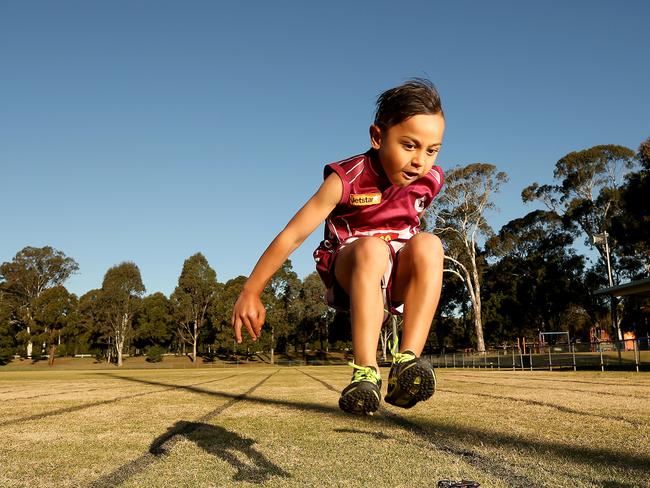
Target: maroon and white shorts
[{"x": 336, "y": 297}]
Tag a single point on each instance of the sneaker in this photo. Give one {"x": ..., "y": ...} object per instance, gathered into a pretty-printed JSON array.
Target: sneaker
[
  {"x": 411, "y": 379},
  {"x": 363, "y": 394}
]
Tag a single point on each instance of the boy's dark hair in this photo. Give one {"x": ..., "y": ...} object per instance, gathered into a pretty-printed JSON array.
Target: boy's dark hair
[{"x": 415, "y": 97}]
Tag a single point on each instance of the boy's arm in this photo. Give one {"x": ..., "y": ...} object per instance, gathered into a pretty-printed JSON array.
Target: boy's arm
[{"x": 249, "y": 311}]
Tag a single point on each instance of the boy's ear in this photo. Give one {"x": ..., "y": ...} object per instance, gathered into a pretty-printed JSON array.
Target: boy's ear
[{"x": 375, "y": 136}]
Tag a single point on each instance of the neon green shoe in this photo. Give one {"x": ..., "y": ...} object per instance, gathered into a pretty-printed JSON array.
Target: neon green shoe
[
  {"x": 411, "y": 379},
  {"x": 363, "y": 394}
]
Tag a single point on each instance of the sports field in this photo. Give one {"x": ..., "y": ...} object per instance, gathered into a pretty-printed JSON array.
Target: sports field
[{"x": 273, "y": 426}]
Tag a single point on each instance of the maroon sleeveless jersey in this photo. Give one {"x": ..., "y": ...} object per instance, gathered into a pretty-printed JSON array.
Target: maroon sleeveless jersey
[{"x": 372, "y": 206}]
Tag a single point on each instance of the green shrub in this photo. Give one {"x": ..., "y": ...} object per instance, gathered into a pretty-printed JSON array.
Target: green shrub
[
  {"x": 6, "y": 355},
  {"x": 155, "y": 354}
]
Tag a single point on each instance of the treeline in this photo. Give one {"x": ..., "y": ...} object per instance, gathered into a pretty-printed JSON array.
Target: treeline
[
  {"x": 38, "y": 316},
  {"x": 526, "y": 278},
  {"x": 529, "y": 276}
]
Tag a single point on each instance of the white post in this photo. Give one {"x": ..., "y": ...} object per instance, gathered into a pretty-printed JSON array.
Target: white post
[{"x": 573, "y": 353}]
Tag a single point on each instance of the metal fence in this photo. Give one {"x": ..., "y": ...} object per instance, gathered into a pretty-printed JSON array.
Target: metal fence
[{"x": 627, "y": 355}]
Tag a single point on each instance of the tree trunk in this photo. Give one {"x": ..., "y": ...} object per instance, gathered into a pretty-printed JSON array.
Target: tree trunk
[
  {"x": 30, "y": 344},
  {"x": 327, "y": 337},
  {"x": 473, "y": 284},
  {"x": 118, "y": 348},
  {"x": 52, "y": 352},
  {"x": 478, "y": 330},
  {"x": 194, "y": 341},
  {"x": 272, "y": 342},
  {"x": 476, "y": 303}
]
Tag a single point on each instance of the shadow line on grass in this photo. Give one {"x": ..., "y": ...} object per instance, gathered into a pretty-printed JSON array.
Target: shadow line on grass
[
  {"x": 555, "y": 388},
  {"x": 515, "y": 375},
  {"x": 372, "y": 433},
  {"x": 165, "y": 442},
  {"x": 537, "y": 403},
  {"x": 84, "y": 406},
  {"x": 66, "y": 392}
]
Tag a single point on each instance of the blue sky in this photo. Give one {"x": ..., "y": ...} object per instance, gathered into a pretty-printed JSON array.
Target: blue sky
[{"x": 147, "y": 131}]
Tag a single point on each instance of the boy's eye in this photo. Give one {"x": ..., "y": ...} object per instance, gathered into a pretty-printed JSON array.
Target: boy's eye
[
  {"x": 409, "y": 146},
  {"x": 431, "y": 152}
]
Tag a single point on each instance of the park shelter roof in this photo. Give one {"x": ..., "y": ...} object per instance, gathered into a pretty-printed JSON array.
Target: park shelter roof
[{"x": 638, "y": 288}]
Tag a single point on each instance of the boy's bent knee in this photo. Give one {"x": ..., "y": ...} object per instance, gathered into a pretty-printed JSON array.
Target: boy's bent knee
[
  {"x": 371, "y": 250},
  {"x": 368, "y": 254},
  {"x": 425, "y": 247},
  {"x": 367, "y": 257}
]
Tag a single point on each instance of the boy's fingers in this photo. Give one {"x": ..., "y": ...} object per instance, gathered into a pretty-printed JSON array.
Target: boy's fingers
[
  {"x": 259, "y": 323},
  {"x": 237, "y": 329},
  {"x": 249, "y": 327}
]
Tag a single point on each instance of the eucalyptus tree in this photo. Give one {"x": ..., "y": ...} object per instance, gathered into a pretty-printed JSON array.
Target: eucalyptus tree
[
  {"x": 537, "y": 280},
  {"x": 631, "y": 227},
  {"x": 221, "y": 311},
  {"x": 458, "y": 217},
  {"x": 56, "y": 308},
  {"x": 588, "y": 191},
  {"x": 7, "y": 327},
  {"x": 283, "y": 310},
  {"x": 154, "y": 323},
  {"x": 32, "y": 271},
  {"x": 196, "y": 290},
  {"x": 91, "y": 322},
  {"x": 313, "y": 313},
  {"x": 120, "y": 299}
]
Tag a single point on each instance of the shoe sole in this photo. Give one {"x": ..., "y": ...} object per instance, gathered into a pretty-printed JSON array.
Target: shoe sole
[
  {"x": 360, "y": 401},
  {"x": 416, "y": 383}
]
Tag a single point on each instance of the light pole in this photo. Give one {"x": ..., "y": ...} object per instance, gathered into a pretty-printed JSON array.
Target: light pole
[{"x": 603, "y": 239}]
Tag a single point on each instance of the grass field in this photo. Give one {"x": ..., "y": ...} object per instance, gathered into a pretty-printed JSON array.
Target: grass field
[{"x": 242, "y": 426}]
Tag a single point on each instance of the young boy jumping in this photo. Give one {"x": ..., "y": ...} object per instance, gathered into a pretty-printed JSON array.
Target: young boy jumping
[{"x": 374, "y": 256}]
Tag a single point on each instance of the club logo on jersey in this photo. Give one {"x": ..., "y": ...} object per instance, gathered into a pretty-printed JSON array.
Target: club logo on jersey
[
  {"x": 387, "y": 237},
  {"x": 364, "y": 199}
]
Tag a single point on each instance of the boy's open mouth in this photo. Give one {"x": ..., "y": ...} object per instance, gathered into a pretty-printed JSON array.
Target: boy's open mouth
[{"x": 410, "y": 175}]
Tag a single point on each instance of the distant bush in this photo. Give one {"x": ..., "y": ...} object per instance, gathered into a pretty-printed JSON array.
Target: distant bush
[
  {"x": 6, "y": 355},
  {"x": 36, "y": 356},
  {"x": 342, "y": 346},
  {"x": 155, "y": 354},
  {"x": 209, "y": 357}
]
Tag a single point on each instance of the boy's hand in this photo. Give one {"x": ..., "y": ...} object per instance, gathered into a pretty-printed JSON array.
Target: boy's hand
[{"x": 250, "y": 313}]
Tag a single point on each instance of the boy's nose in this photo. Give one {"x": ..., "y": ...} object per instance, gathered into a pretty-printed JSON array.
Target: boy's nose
[{"x": 418, "y": 161}]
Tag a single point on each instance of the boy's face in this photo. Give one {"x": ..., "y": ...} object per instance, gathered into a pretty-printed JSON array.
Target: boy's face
[{"x": 408, "y": 150}]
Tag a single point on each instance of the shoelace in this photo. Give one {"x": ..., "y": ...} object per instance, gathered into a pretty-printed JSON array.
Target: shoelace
[
  {"x": 364, "y": 373},
  {"x": 399, "y": 357}
]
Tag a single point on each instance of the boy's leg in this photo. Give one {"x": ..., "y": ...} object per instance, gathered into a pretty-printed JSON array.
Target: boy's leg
[
  {"x": 359, "y": 268},
  {"x": 417, "y": 283}
]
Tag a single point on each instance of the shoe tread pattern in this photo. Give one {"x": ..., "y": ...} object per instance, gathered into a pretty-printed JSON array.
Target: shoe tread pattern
[
  {"x": 362, "y": 400},
  {"x": 409, "y": 393}
]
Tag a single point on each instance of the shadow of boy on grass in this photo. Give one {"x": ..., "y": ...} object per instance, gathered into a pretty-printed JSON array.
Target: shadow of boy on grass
[{"x": 223, "y": 444}]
